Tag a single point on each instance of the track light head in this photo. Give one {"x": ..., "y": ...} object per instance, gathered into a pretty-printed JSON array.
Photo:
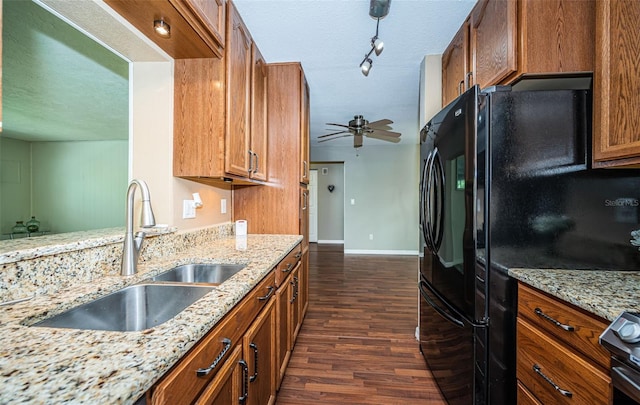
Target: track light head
[
  {"x": 365, "y": 66},
  {"x": 377, "y": 45}
]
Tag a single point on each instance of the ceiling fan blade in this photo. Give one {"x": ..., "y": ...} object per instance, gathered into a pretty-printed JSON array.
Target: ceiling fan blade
[
  {"x": 386, "y": 133},
  {"x": 380, "y": 123},
  {"x": 378, "y": 135},
  {"x": 339, "y": 125},
  {"x": 357, "y": 141},
  {"x": 335, "y": 133},
  {"x": 331, "y": 139}
]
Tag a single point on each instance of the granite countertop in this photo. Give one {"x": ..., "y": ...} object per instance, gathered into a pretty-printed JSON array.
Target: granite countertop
[
  {"x": 603, "y": 293},
  {"x": 49, "y": 365}
]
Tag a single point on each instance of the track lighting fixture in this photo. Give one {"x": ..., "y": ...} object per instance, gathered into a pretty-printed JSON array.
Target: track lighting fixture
[
  {"x": 378, "y": 9},
  {"x": 365, "y": 66}
]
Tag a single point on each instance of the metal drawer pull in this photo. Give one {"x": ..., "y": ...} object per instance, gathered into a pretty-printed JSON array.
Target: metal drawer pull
[
  {"x": 201, "y": 372},
  {"x": 566, "y": 393},
  {"x": 245, "y": 381},
  {"x": 288, "y": 269},
  {"x": 568, "y": 328},
  {"x": 298, "y": 255},
  {"x": 269, "y": 294},
  {"x": 255, "y": 362}
]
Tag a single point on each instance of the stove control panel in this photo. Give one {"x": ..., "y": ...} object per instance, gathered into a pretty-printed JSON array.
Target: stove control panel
[{"x": 622, "y": 337}]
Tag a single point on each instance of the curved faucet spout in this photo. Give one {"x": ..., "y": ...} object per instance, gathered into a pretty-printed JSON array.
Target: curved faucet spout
[{"x": 133, "y": 244}]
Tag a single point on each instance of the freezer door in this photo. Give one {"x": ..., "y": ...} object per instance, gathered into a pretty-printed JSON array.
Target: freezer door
[{"x": 447, "y": 343}]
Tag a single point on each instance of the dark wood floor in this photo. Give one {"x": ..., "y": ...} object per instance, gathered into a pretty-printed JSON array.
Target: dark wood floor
[{"x": 357, "y": 344}]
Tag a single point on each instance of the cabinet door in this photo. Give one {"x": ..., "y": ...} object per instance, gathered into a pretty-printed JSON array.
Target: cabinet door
[
  {"x": 455, "y": 65},
  {"x": 258, "y": 165},
  {"x": 227, "y": 387},
  {"x": 259, "y": 353},
  {"x": 304, "y": 285},
  {"x": 207, "y": 18},
  {"x": 294, "y": 306},
  {"x": 304, "y": 216},
  {"x": 616, "y": 82},
  {"x": 494, "y": 41},
  {"x": 238, "y": 123},
  {"x": 304, "y": 131},
  {"x": 283, "y": 344}
]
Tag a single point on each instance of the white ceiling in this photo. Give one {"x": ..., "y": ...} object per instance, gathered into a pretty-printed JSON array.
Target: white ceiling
[{"x": 331, "y": 37}]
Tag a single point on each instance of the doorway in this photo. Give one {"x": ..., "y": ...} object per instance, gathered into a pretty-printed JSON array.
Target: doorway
[{"x": 329, "y": 202}]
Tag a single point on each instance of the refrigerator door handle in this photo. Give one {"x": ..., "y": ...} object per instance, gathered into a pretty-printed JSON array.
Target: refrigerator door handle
[
  {"x": 439, "y": 194},
  {"x": 423, "y": 203},
  {"x": 441, "y": 311}
]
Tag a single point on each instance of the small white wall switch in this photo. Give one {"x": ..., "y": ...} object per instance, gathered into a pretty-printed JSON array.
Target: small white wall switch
[
  {"x": 188, "y": 209},
  {"x": 353, "y": 201},
  {"x": 370, "y": 236},
  {"x": 223, "y": 206}
]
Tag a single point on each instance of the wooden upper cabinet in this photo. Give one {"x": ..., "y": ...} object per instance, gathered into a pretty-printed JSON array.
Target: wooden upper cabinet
[
  {"x": 508, "y": 39},
  {"x": 494, "y": 41},
  {"x": 455, "y": 65},
  {"x": 238, "y": 117},
  {"x": 207, "y": 17},
  {"x": 259, "y": 145},
  {"x": 304, "y": 132},
  {"x": 616, "y": 130},
  {"x": 190, "y": 37}
]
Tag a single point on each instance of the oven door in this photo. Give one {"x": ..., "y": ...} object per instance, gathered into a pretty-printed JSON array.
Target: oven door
[{"x": 626, "y": 383}]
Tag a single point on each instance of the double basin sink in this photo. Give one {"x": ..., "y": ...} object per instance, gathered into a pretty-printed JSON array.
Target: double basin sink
[{"x": 148, "y": 304}]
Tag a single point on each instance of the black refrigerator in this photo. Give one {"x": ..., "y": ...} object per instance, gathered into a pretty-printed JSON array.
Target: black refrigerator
[{"x": 505, "y": 183}]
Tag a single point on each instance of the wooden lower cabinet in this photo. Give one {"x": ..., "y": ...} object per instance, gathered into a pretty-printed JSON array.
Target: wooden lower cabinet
[
  {"x": 559, "y": 360},
  {"x": 288, "y": 319},
  {"x": 259, "y": 345},
  {"x": 227, "y": 387}
]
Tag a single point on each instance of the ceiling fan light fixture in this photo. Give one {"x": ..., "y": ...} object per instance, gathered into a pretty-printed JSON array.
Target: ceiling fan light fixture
[
  {"x": 365, "y": 66},
  {"x": 377, "y": 45},
  {"x": 162, "y": 28}
]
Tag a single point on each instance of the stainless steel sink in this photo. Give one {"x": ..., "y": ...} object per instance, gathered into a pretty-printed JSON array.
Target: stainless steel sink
[
  {"x": 133, "y": 308},
  {"x": 214, "y": 274}
]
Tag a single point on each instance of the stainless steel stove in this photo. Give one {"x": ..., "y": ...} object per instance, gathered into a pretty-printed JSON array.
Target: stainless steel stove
[{"x": 622, "y": 339}]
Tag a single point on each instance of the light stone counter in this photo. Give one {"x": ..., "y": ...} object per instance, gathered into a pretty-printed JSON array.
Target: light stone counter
[
  {"x": 603, "y": 293},
  {"x": 47, "y": 365}
]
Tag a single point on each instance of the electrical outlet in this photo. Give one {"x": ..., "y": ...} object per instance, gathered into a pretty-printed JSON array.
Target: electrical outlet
[
  {"x": 223, "y": 206},
  {"x": 188, "y": 209},
  {"x": 370, "y": 236}
]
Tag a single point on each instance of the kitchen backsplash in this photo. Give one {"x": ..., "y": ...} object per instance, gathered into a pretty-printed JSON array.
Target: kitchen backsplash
[{"x": 30, "y": 268}]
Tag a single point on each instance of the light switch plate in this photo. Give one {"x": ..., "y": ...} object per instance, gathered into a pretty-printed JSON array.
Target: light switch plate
[
  {"x": 223, "y": 206},
  {"x": 188, "y": 209}
]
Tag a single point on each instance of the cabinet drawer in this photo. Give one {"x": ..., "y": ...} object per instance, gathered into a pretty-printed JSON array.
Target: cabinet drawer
[
  {"x": 546, "y": 367},
  {"x": 183, "y": 384},
  {"x": 286, "y": 266},
  {"x": 525, "y": 397},
  {"x": 573, "y": 326}
]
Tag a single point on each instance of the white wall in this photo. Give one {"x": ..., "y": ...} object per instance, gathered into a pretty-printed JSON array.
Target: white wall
[
  {"x": 152, "y": 159},
  {"x": 383, "y": 180}
]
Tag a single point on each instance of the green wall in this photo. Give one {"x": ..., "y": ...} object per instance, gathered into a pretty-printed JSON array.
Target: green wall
[{"x": 68, "y": 186}]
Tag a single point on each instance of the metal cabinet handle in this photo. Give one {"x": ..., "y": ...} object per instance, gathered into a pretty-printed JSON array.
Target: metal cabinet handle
[
  {"x": 288, "y": 269},
  {"x": 566, "y": 393},
  {"x": 255, "y": 170},
  {"x": 541, "y": 314},
  {"x": 245, "y": 381},
  {"x": 304, "y": 169},
  {"x": 467, "y": 79},
  {"x": 298, "y": 255},
  {"x": 269, "y": 294},
  {"x": 255, "y": 362},
  {"x": 294, "y": 283},
  {"x": 250, "y": 161},
  {"x": 461, "y": 87},
  {"x": 201, "y": 372}
]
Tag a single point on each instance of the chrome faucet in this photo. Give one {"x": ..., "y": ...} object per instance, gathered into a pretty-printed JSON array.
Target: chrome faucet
[{"x": 132, "y": 245}]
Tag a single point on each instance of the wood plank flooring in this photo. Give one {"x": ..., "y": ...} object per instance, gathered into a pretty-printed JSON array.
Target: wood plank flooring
[{"x": 357, "y": 343}]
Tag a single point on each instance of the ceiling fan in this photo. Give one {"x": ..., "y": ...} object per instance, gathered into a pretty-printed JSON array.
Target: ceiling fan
[{"x": 359, "y": 127}]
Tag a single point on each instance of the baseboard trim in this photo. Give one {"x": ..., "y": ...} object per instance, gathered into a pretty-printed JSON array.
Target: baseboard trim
[
  {"x": 331, "y": 242},
  {"x": 381, "y": 252}
]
